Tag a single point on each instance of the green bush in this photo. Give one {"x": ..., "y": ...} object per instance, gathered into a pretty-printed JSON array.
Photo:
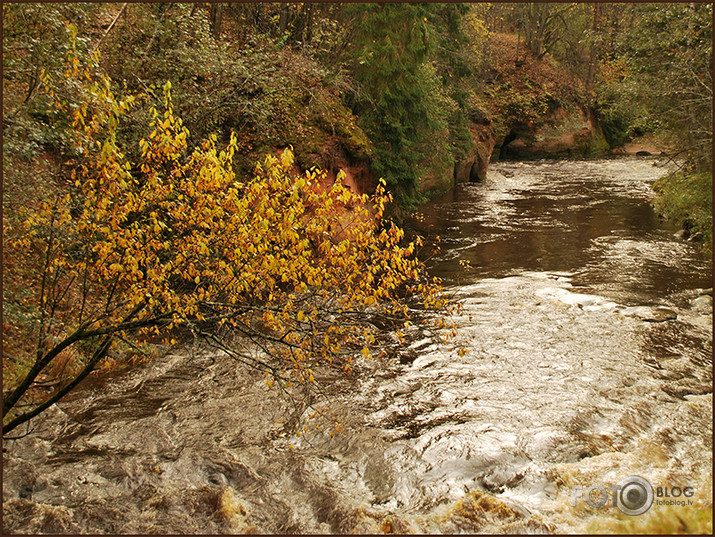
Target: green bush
[
  {"x": 687, "y": 198},
  {"x": 615, "y": 125}
]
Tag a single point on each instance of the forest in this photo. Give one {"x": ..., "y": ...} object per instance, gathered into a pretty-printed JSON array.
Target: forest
[{"x": 245, "y": 174}]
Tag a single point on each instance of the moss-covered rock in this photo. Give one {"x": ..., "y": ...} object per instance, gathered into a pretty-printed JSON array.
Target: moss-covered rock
[
  {"x": 473, "y": 168},
  {"x": 566, "y": 132}
]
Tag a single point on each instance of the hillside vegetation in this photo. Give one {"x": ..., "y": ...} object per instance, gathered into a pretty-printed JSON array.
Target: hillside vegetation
[{"x": 397, "y": 90}]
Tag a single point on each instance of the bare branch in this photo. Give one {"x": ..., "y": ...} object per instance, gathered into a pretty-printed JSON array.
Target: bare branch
[{"x": 124, "y": 6}]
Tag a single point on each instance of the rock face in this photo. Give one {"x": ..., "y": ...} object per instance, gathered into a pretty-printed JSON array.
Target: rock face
[
  {"x": 566, "y": 132},
  {"x": 358, "y": 176},
  {"x": 650, "y": 314},
  {"x": 703, "y": 304},
  {"x": 473, "y": 168},
  {"x": 333, "y": 157}
]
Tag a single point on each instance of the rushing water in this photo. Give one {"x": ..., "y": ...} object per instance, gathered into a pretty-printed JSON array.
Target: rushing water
[{"x": 590, "y": 359}]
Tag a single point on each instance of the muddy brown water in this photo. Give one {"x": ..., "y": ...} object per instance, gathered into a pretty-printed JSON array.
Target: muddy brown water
[{"x": 590, "y": 359}]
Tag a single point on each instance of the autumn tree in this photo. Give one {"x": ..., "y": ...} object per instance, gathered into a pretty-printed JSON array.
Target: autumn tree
[
  {"x": 175, "y": 243},
  {"x": 543, "y": 25},
  {"x": 670, "y": 49}
]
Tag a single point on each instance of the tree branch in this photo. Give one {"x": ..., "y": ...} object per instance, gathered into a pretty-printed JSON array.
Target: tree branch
[
  {"x": 124, "y": 6},
  {"x": 100, "y": 353},
  {"x": 79, "y": 334}
]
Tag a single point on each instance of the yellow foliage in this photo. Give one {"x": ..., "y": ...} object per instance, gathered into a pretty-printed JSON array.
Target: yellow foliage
[
  {"x": 176, "y": 239},
  {"x": 234, "y": 512}
]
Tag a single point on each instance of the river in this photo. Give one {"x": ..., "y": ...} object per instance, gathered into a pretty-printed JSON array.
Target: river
[{"x": 589, "y": 331}]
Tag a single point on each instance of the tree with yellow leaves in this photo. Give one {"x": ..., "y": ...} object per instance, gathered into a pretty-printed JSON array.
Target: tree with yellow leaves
[{"x": 174, "y": 241}]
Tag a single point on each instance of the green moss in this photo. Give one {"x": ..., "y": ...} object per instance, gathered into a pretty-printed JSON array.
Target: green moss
[
  {"x": 600, "y": 145},
  {"x": 437, "y": 189},
  {"x": 687, "y": 198},
  {"x": 334, "y": 118},
  {"x": 592, "y": 145},
  {"x": 308, "y": 143}
]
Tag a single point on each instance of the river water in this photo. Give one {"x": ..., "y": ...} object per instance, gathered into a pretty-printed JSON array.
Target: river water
[{"x": 589, "y": 331}]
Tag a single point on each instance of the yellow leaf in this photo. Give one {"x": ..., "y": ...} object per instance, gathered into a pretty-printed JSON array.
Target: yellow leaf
[{"x": 287, "y": 157}]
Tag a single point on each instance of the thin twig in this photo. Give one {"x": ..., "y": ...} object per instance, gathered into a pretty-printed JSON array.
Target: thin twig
[{"x": 124, "y": 6}]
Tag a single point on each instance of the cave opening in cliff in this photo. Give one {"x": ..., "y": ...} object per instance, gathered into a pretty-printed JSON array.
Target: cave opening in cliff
[
  {"x": 509, "y": 138},
  {"x": 474, "y": 176}
]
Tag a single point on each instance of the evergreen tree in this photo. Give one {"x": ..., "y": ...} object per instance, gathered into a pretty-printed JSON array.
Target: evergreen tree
[{"x": 390, "y": 55}]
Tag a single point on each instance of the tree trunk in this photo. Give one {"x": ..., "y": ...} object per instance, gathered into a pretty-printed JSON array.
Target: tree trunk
[
  {"x": 309, "y": 23},
  {"x": 283, "y": 19},
  {"x": 297, "y": 33},
  {"x": 257, "y": 18},
  {"x": 594, "y": 46},
  {"x": 80, "y": 334},
  {"x": 121, "y": 11},
  {"x": 216, "y": 19}
]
